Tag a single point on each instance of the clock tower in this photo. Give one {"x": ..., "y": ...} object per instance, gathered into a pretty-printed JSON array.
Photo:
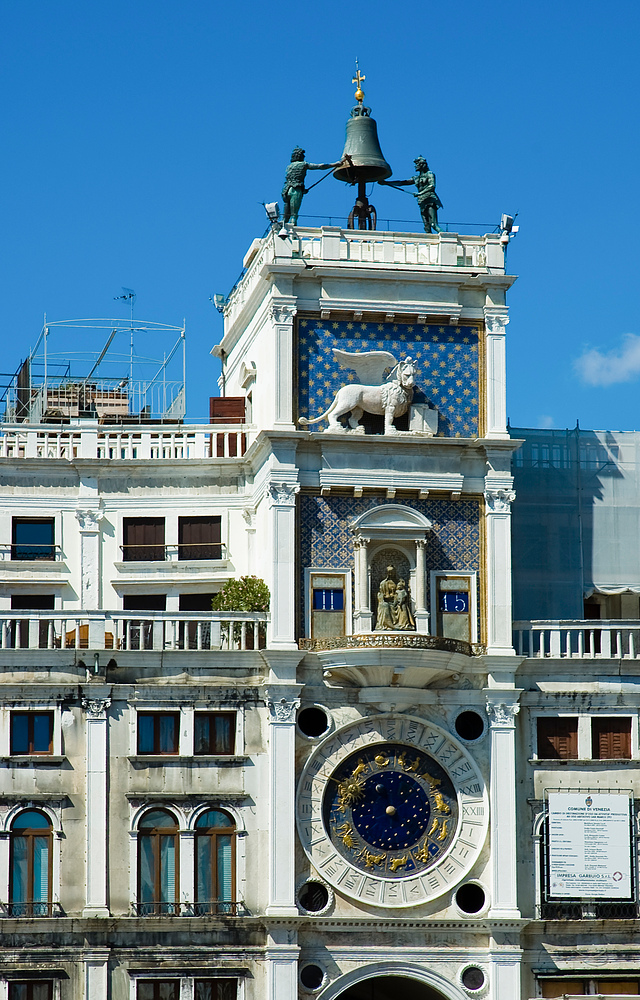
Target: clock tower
[{"x": 373, "y": 366}]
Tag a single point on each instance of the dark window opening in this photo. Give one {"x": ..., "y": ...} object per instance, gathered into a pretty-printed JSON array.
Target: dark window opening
[
  {"x": 19, "y": 631},
  {"x": 30, "y": 865},
  {"x": 143, "y": 539},
  {"x": 199, "y": 538},
  {"x": 313, "y": 896},
  {"x": 558, "y": 738},
  {"x": 215, "y": 989},
  {"x": 33, "y": 602},
  {"x": 158, "y": 732},
  {"x": 158, "y": 989},
  {"x": 312, "y": 977},
  {"x": 470, "y": 897},
  {"x": 196, "y": 602},
  {"x": 144, "y": 602},
  {"x": 33, "y": 538},
  {"x": 214, "y": 732},
  {"x": 32, "y": 732},
  {"x": 469, "y": 725},
  {"x": 313, "y": 721},
  {"x": 33, "y": 989}
]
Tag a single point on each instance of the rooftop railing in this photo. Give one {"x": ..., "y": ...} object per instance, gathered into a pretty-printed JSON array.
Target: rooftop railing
[
  {"x": 45, "y": 441},
  {"x": 135, "y": 630},
  {"x": 603, "y": 638}
]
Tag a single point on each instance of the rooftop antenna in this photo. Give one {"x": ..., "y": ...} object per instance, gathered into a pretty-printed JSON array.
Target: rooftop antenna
[{"x": 129, "y": 295}]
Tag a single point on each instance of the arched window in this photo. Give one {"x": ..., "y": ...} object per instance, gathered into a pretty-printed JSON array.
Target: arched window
[
  {"x": 31, "y": 853},
  {"x": 215, "y": 863},
  {"x": 158, "y": 864}
]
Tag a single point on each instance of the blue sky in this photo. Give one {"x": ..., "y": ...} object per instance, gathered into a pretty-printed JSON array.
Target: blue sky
[{"x": 139, "y": 139}]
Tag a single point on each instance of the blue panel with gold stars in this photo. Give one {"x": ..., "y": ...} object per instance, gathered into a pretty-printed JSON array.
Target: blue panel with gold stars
[{"x": 446, "y": 359}]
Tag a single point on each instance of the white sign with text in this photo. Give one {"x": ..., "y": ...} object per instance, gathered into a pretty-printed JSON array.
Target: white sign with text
[{"x": 589, "y": 846}]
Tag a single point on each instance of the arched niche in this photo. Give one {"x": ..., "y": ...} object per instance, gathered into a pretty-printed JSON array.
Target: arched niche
[
  {"x": 389, "y": 528},
  {"x": 388, "y": 981}
]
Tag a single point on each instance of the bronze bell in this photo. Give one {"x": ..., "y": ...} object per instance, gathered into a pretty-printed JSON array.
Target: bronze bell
[{"x": 362, "y": 145}]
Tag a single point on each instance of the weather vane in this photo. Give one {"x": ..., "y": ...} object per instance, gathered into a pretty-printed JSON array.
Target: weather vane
[{"x": 358, "y": 79}]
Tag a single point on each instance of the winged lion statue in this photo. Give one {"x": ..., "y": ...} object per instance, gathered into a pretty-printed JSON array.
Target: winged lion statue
[{"x": 390, "y": 397}]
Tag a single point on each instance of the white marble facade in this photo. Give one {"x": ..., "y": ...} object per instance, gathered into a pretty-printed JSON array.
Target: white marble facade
[{"x": 116, "y": 647}]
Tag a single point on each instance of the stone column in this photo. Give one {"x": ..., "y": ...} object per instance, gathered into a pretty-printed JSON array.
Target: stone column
[
  {"x": 96, "y": 700},
  {"x": 96, "y": 972},
  {"x": 498, "y": 569},
  {"x": 506, "y": 958},
  {"x": 421, "y": 614},
  {"x": 282, "y": 704},
  {"x": 282, "y": 634},
  {"x": 496, "y": 319},
  {"x": 283, "y": 310},
  {"x": 282, "y": 964},
  {"x": 89, "y": 520},
  {"x": 362, "y": 611},
  {"x": 502, "y": 708}
]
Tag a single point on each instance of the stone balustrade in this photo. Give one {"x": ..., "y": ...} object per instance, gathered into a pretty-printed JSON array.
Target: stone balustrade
[
  {"x": 605, "y": 638},
  {"x": 44, "y": 441},
  {"x": 147, "y": 631}
]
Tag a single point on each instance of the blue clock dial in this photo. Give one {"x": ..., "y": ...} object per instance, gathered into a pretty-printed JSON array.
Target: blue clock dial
[
  {"x": 392, "y": 809},
  {"x": 393, "y": 812}
]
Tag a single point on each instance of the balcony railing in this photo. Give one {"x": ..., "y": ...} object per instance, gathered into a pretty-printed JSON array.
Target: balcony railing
[
  {"x": 31, "y": 910},
  {"x": 600, "y": 639},
  {"x": 209, "y": 908},
  {"x": 140, "y": 630},
  {"x": 152, "y": 552},
  {"x": 31, "y": 552},
  {"x": 134, "y": 443}
]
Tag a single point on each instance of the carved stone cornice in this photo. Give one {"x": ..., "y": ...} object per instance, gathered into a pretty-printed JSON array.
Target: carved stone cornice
[{"x": 499, "y": 501}]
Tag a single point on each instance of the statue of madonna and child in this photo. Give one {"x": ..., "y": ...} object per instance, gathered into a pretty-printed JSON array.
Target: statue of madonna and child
[{"x": 394, "y": 604}]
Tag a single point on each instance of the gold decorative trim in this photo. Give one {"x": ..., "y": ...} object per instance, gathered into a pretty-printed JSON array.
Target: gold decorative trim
[{"x": 382, "y": 640}]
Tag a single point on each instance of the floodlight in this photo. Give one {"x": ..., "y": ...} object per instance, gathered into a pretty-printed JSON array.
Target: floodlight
[
  {"x": 219, "y": 302},
  {"x": 272, "y": 210},
  {"x": 506, "y": 223}
]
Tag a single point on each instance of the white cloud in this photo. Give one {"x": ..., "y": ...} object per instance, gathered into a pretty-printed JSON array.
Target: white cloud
[
  {"x": 620, "y": 364},
  {"x": 544, "y": 420}
]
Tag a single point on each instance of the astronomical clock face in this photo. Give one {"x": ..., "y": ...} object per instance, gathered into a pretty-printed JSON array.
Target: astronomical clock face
[{"x": 392, "y": 811}]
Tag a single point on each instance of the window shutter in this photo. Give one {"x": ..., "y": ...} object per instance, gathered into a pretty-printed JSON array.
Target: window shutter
[
  {"x": 611, "y": 738},
  {"x": 558, "y": 738}
]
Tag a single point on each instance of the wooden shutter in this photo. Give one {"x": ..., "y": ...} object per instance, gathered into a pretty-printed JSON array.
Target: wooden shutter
[
  {"x": 143, "y": 539},
  {"x": 199, "y": 538},
  {"x": 611, "y": 738},
  {"x": 558, "y": 738},
  {"x": 560, "y": 987},
  {"x": 226, "y": 409}
]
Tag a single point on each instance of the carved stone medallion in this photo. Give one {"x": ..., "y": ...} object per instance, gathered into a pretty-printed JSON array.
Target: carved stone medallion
[{"x": 392, "y": 811}]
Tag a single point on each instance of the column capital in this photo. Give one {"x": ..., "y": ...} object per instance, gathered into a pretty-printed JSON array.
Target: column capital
[
  {"x": 499, "y": 501},
  {"x": 89, "y": 517},
  {"x": 496, "y": 319},
  {"x": 282, "y": 706},
  {"x": 420, "y": 543},
  {"x": 283, "y": 494},
  {"x": 502, "y": 708},
  {"x": 282, "y": 312},
  {"x": 96, "y": 706}
]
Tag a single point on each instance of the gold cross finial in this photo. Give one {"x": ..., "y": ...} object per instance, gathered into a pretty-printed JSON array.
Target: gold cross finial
[{"x": 358, "y": 80}]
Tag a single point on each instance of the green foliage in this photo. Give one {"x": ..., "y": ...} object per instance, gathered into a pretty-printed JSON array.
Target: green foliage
[{"x": 249, "y": 593}]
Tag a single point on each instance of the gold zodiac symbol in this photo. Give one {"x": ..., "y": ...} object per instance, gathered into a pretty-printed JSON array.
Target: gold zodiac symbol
[
  {"x": 434, "y": 827},
  {"x": 381, "y": 760},
  {"x": 359, "y": 769},
  {"x": 398, "y": 863},
  {"x": 423, "y": 853},
  {"x": 371, "y": 860},
  {"x": 443, "y": 832},
  {"x": 441, "y": 805},
  {"x": 402, "y": 761},
  {"x": 346, "y": 835},
  {"x": 349, "y": 791},
  {"x": 433, "y": 782}
]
